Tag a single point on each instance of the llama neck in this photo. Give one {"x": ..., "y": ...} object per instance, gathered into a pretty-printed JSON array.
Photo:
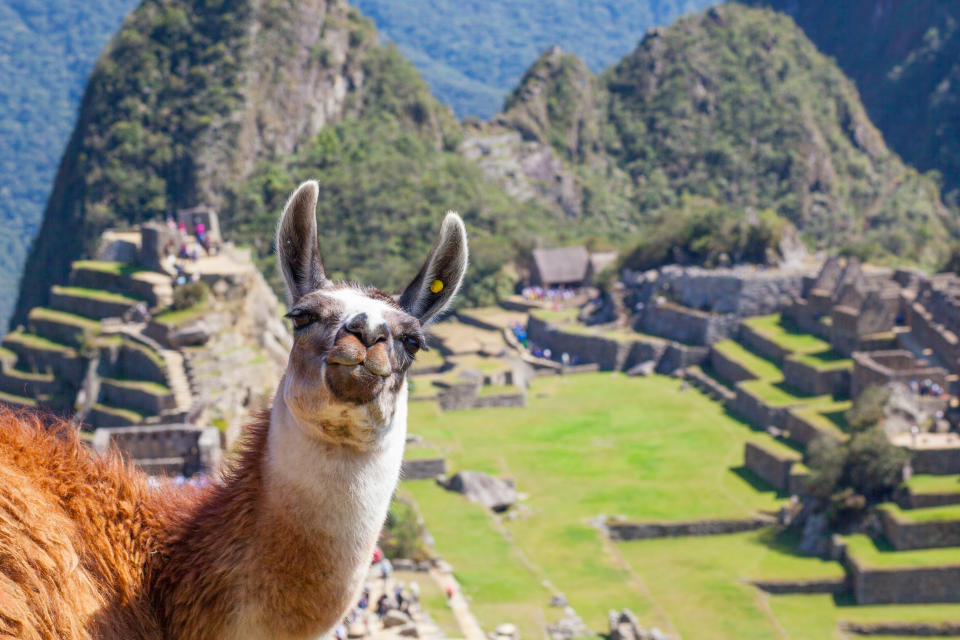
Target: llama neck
[{"x": 294, "y": 551}]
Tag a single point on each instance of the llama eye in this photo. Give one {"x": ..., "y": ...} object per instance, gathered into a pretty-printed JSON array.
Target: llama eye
[
  {"x": 301, "y": 319},
  {"x": 412, "y": 344}
]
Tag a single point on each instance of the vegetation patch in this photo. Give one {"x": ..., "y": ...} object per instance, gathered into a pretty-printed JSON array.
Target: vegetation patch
[
  {"x": 15, "y": 400},
  {"x": 123, "y": 414},
  {"x": 790, "y": 338},
  {"x": 145, "y": 386},
  {"x": 928, "y": 514},
  {"x": 63, "y": 317},
  {"x": 923, "y": 483},
  {"x": 116, "y": 268},
  {"x": 824, "y": 360},
  {"x": 36, "y": 342}
]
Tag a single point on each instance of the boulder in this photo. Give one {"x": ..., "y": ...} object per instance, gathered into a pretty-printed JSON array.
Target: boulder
[
  {"x": 191, "y": 334},
  {"x": 394, "y": 618},
  {"x": 558, "y": 600},
  {"x": 644, "y": 368},
  {"x": 491, "y": 492},
  {"x": 409, "y": 630},
  {"x": 505, "y": 631}
]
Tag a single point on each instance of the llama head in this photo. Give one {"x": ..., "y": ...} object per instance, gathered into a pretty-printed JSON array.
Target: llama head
[{"x": 353, "y": 344}]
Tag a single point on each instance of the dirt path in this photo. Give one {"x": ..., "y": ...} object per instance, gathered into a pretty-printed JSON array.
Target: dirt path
[{"x": 458, "y": 604}]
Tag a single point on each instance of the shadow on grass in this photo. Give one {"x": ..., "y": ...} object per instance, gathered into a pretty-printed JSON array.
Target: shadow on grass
[{"x": 838, "y": 418}]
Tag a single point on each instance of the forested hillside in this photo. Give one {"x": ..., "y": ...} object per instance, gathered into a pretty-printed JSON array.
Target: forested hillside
[
  {"x": 47, "y": 49},
  {"x": 472, "y": 52},
  {"x": 735, "y": 105},
  {"x": 905, "y": 60},
  {"x": 732, "y": 112}
]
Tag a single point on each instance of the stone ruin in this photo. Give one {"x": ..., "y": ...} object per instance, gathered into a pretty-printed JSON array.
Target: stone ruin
[
  {"x": 848, "y": 307},
  {"x": 625, "y": 626},
  {"x": 170, "y": 449}
]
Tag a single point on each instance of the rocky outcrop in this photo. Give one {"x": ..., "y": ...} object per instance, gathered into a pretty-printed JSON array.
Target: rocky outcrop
[{"x": 491, "y": 492}]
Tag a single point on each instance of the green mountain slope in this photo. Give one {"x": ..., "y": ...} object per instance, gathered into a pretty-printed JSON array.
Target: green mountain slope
[
  {"x": 472, "y": 52},
  {"x": 905, "y": 60},
  {"x": 738, "y": 106},
  {"x": 220, "y": 103},
  {"x": 47, "y": 49}
]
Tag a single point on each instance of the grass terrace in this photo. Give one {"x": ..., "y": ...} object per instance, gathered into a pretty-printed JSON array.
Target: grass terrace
[
  {"x": 94, "y": 294},
  {"x": 922, "y": 483},
  {"x": 17, "y": 401},
  {"x": 116, "y": 268},
  {"x": 566, "y": 320},
  {"x": 63, "y": 317},
  {"x": 928, "y": 514},
  {"x": 36, "y": 342},
  {"x": 775, "y": 394},
  {"x": 20, "y": 374},
  {"x": 829, "y": 417},
  {"x": 762, "y": 368},
  {"x": 829, "y": 360},
  {"x": 776, "y": 446},
  {"x": 498, "y": 390},
  {"x": 790, "y": 338},
  {"x": 145, "y": 386},
  {"x": 878, "y": 554},
  {"x": 123, "y": 414},
  {"x": 178, "y": 317}
]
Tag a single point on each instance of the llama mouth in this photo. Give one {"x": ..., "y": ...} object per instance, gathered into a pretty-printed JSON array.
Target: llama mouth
[{"x": 354, "y": 382}]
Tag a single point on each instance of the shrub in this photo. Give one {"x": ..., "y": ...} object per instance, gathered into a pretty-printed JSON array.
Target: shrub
[
  {"x": 867, "y": 409},
  {"x": 402, "y": 535},
  {"x": 190, "y": 295}
]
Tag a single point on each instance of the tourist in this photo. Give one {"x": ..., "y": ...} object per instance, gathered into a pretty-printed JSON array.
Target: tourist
[
  {"x": 383, "y": 605},
  {"x": 415, "y": 593}
]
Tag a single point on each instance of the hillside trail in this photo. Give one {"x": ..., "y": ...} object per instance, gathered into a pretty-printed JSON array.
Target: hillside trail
[{"x": 458, "y": 605}]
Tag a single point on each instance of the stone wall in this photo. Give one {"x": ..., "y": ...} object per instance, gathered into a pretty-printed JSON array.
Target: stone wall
[
  {"x": 124, "y": 284},
  {"x": 905, "y": 535},
  {"x": 608, "y": 354},
  {"x": 423, "y": 469},
  {"x": 729, "y": 369},
  {"x": 756, "y": 411},
  {"x": 904, "y": 586},
  {"x": 132, "y": 360},
  {"x": 883, "y": 367},
  {"x": 816, "y": 382},
  {"x": 940, "y": 462},
  {"x": 802, "y": 430},
  {"x": 183, "y": 449},
  {"x": 620, "y": 531},
  {"x": 797, "y": 482},
  {"x": 118, "y": 394},
  {"x": 677, "y": 356},
  {"x": 823, "y": 585},
  {"x": 772, "y": 467},
  {"x": 909, "y": 500},
  {"x": 686, "y": 325},
  {"x": 68, "y": 367},
  {"x": 942, "y": 341},
  {"x": 518, "y": 399}
]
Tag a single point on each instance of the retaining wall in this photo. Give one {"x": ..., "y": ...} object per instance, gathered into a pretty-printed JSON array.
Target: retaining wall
[
  {"x": 729, "y": 369},
  {"x": 60, "y": 332},
  {"x": 905, "y": 535},
  {"x": 608, "y": 354},
  {"x": 802, "y": 430},
  {"x": 938, "y": 462},
  {"x": 904, "y": 586},
  {"x": 772, "y": 467},
  {"x": 124, "y": 284},
  {"x": 757, "y": 412},
  {"x": 194, "y": 448},
  {"x": 143, "y": 402},
  {"x": 620, "y": 531},
  {"x": 89, "y": 307},
  {"x": 823, "y": 585},
  {"x": 423, "y": 469},
  {"x": 686, "y": 325},
  {"x": 816, "y": 382}
]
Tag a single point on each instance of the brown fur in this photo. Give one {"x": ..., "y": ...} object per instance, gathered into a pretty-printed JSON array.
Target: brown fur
[{"x": 89, "y": 550}]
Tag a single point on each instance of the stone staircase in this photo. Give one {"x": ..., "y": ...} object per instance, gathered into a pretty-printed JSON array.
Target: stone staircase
[{"x": 177, "y": 381}]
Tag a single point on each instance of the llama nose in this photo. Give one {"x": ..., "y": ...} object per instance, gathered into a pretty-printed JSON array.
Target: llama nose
[{"x": 369, "y": 333}]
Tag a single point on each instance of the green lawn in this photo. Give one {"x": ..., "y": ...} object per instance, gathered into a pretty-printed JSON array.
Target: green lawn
[
  {"x": 779, "y": 448},
  {"x": 585, "y": 446},
  {"x": 933, "y": 484},
  {"x": 182, "y": 316},
  {"x": 760, "y": 367},
  {"x": 787, "y": 337},
  {"x": 879, "y": 555},
  {"x": 829, "y": 417},
  {"x": 701, "y": 584},
  {"x": 775, "y": 394}
]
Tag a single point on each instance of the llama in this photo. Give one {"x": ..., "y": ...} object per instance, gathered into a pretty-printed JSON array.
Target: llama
[{"x": 277, "y": 548}]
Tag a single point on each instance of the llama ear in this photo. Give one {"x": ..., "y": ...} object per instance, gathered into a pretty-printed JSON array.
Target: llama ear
[
  {"x": 441, "y": 275},
  {"x": 297, "y": 249}
]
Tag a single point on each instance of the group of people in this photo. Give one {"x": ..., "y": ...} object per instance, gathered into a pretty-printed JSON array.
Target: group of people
[
  {"x": 548, "y": 294},
  {"x": 927, "y": 387},
  {"x": 393, "y": 597},
  {"x": 191, "y": 250}
]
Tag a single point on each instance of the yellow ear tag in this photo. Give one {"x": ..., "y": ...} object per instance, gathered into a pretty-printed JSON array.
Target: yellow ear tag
[{"x": 436, "y": 286}]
